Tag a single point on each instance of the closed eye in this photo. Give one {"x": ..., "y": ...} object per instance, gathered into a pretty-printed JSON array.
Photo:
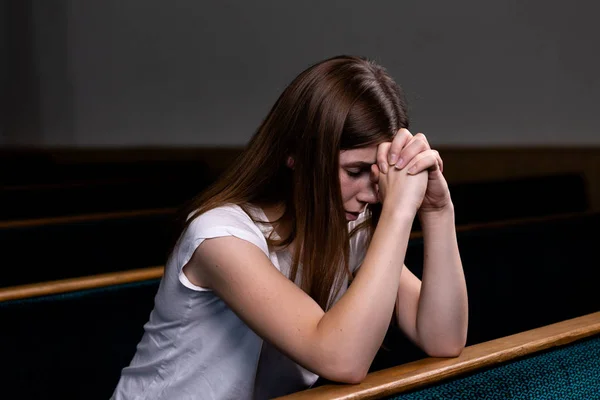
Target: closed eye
[{"x": 356, "y": 173}]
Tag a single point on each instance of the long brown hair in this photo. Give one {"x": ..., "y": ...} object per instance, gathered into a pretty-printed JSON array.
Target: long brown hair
[{"x": 341, "y": 103}]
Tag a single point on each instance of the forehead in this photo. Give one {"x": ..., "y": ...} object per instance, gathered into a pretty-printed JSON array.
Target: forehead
[{"x": 366, "y": 155}]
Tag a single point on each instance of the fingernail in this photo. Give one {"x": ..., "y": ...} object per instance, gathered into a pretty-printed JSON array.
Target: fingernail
[
  {"x": 399, "y": 164},
  {"x": 412, "y": 169},
  {"x": 393, "y": 158},
  {"x": 383, "y": 167}
]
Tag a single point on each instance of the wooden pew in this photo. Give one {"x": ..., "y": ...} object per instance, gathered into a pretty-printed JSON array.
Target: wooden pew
[
  {"x": 477, "y": 202},
  {"x": 529, "y": 364},
  {"x": 520, "y": 275},
  {"x": 64, "y": 286},
  {"x": 413, "y": 257},
  {"x": 75, "y": 182},
  {"x": 65, "y": 189},
  {"x": 65, "y": 247},
  {"x": 71, "y": 199},
  {"x": 525, "y": 197},
  {"x": 74, "y": 238},
  {"x": 85, "y": 337},
  {"x": 73, "y": 343},
  {"x": 87, "y": 328}
]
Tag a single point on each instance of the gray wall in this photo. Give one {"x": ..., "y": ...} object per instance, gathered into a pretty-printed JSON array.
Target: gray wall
[{"x": 186, "y": 72}]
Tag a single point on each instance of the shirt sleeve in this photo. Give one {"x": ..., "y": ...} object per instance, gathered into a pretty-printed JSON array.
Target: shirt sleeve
[{"x": 218, "y": 222}]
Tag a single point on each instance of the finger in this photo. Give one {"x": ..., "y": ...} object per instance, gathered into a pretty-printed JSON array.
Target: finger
[
  {"x": 402, "y": 137},
  {"x": 417, "y": 144},
  {"x": 382, "y": 154},
  {"x": 440, "y": 161},
  {"x": 374, "y": 175},
  {"x": 426, "y": 160}
]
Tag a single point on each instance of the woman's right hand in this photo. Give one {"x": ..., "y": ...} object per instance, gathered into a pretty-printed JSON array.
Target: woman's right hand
[
  {"x": 417, "y": 160},
  {"x": 399, "y": 189}
]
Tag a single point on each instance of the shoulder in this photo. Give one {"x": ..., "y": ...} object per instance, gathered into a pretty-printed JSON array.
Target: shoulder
[
  {"x": 238, "y": 240},
  {"x": 226, "y": 215},
  {"x": 226, "y": 220}
]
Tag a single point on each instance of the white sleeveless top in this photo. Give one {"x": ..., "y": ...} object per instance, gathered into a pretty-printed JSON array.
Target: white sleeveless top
[{"x": 194, "y": 346}]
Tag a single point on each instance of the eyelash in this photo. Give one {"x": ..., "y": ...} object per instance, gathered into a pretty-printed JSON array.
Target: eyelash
[{"x": 354, "y": 175}]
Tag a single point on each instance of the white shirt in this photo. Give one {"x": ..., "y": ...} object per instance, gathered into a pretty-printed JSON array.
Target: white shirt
[{"x": 194, "y": 346}]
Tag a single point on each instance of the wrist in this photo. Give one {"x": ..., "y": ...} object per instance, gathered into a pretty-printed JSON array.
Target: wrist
[
  {"x": 398, "y": 214},
  {"x": 445, "y": 213}
]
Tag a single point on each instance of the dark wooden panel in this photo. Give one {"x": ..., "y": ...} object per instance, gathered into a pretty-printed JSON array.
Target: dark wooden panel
[
  {"x": 519, "y": 277},
  {"x": 84, "y": 247},
  {"x": 104, "y": 188}
]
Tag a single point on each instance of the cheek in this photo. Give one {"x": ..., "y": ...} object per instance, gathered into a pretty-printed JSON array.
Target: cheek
[
  {"x": 350, "y": 187},
  {"x": 345, "y": 185}
]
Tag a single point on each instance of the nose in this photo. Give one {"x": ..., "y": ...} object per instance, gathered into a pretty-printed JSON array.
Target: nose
[{"x": 369, "y": 193}]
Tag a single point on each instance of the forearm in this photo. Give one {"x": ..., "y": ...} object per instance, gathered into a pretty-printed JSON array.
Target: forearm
[
  {"x": 442, "y": 315},
  {"x": 356, "y": 325}
]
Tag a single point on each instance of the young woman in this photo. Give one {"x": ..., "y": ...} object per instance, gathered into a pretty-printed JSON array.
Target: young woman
[{"x": 291, "y": 266}]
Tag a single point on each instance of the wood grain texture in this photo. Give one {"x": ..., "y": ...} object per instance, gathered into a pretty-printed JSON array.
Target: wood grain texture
[
  {"x": 82, "y": 283},
  {"x": 432, "y": 370},
  {"x": 84, "y": 218}
]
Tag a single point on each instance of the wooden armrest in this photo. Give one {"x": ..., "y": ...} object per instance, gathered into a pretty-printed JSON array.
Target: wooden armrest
[
  {"x": 82, "y": 283},
  {"x": 431, "y": 370}
]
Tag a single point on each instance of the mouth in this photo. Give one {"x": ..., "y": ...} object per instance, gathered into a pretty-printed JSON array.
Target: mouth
[{"x": 352, "y": 216}]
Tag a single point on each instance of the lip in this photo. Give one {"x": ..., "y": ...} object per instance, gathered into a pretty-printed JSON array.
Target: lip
[{"x": 351, "y": 216}]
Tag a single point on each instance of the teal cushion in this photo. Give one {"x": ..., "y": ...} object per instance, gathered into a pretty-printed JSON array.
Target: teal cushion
[
  {"x": 568, "y": 372},
  {"x": 72, "y": 345}
]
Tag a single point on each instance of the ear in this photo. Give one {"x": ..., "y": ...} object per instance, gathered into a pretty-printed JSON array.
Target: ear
[{"x": 290, "y": 162}]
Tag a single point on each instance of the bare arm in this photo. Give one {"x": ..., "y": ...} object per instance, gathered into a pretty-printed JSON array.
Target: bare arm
[
  {"x": 434, "y": 313},
  {"x": 443, "y": 308},
  {"x": 339, "y": 344}
]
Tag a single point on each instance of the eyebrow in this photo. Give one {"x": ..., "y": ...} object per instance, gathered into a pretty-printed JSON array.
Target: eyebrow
[{"x": 358, "y": 164}]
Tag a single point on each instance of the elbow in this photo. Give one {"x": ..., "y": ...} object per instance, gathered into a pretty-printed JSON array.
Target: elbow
[
  {"x": 344, "y": 370},
  {"x": 445, "y": 345},
  {"x": 445, "y": 350},
  {"x": 355, "y": 375},
  {"x": 349, "y": 376}
]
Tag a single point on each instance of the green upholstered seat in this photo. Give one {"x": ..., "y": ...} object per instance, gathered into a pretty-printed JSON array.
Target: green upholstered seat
[
  {"x": 567, "y": 372},
  {"x": 72, "y": 346}
]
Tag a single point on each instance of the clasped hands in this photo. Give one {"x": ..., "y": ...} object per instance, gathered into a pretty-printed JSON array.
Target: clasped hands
[{"x": 413, "y": 155}]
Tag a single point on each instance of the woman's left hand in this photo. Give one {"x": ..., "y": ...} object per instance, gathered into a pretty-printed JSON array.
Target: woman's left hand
[{"x": 414, "y": 153}]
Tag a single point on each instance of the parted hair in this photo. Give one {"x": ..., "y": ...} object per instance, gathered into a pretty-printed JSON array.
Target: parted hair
[{"x": 341, "y": 103}]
